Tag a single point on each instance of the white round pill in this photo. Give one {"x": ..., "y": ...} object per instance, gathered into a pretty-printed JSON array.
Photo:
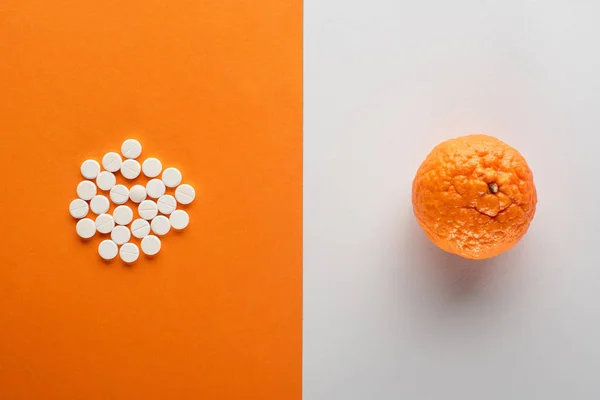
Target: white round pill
[
  {"x": 179, "y": 219},
  {"x": 79, "y": 208},
  {"x": 166, "y": 204},
  {"x": 99, "y": 204},
  {"x": 108, "y": 249},
  {"x": 185, "y": 194},
  {"x": 131, "y": 148},
  {"x": 119, "y": 194},
  {"x": 147, "y": 209},
  {"x": 155, "y": 188},
  {"x": 90, "y": 169},
  {"x": 123, "y": 215},
  {"x": 86, "y": 228},
  {"x": 171, "y": 177},
  {"x": 105, "y": 223},
  {"x": 112, "y": 161},
  {"x": 140, "y": 228},
  {"x": 86, "y": 190},
  {"x": 129, "y": 252},
  {"x": 137, "y": 194},
  {"x": 106, "y": 180},
  {"x": 151, "y": 245},
  {"x": 131, "y": 169},
  {"x": 120, "y": 235},
  {"x": 160, "y": 225},
  {"x": 152, "y": 167}
]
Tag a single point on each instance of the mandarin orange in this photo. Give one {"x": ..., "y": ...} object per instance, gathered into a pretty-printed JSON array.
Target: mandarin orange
[{"x": 474, "y": 196}]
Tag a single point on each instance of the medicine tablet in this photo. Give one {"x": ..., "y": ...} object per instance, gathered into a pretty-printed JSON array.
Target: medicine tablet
[
  {"x": 120, "y": 235},
  {"x": 105, "y": 223},
  {"x": 152, "y": 167},
  {"x": 99, "y": 204},
  {"x": 106, "y": 180},
  {"x": 166, "y": 204},
  {"x": 123, "y": 215},
  {"x": 108, "y": 249},
  {"x": 185, "y": 194},
  {"x": 171, "y": 177},
  {"x": 79, "y": 208},
  {"x": 112, "y": 161},
  {"x": 129, "y": 252},
  {"x": 131, "y": 148},
  {"x": 90, "y": 169},
  {"x": 155, "y": 188},
  {"x": 86, "y": 190},
  {"x": 179, "y": 219},
  {"x": 160, "y": 225},
  {"x": 140, "y": 228},
  {"x": 151, "y": 245},
  {"x": 137, "y": 194},
  {"x": 119, "y": 194},
  {"x": 86, "y": 228},
  {"x": 131, "y": 169},
  {"x": 147, "y": 209}
]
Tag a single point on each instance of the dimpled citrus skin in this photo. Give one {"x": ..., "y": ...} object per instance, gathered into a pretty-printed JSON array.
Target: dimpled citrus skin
[{"x": 474, "y": 196}]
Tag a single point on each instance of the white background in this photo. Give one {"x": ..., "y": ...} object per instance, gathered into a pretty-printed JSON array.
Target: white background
[{"x": 386, "y": 314}]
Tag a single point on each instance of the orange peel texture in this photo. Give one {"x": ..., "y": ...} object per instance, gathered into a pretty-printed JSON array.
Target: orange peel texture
[{"x": 474, "y": 196}]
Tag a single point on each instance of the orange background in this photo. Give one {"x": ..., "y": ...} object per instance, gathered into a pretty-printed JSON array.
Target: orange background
[{"x": 211, "y": 87}]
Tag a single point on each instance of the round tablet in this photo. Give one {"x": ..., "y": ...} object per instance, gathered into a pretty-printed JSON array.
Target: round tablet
[
  {"x": 106, "y": 180},
  {"x": 151, "y": 245},
  {"x": 137, "y": 194},
  {"x": 79, "y": 208},
  {"x": 86, "y": 190},
  {"x": 129, "y": 252},
  {"x": 171, "y": 177},
  {"x": 105, "y": 223},
  {"x": 131, "y": 169},
  {"x": 131, "y": 148},
  {"x": 99, "y": 204},
  {"x": 185, "y": 194},
  {"x": 166, "y": 204},
  {"x": 120, "y": 235},
  {"x": 140, "y": 228},
  {"x": 90, "y": 169},
  {"x": 147, "y": 209},
  {"x": 155, "y": 188},
  {"x": 152, "y": 167},
  {"x": 160, "y": 225},
  {"x": 86, "y": 228},
  {"x": 108, "y": 249},
  {"x": 179, "y": 219},
  {"x": 123, "y": 215},
  {"x": 119, "y": 194},
  {"x": 112, "y": 161}
]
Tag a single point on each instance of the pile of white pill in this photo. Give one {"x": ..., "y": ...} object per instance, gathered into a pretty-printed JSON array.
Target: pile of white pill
[{"x": 157, "y": 211}]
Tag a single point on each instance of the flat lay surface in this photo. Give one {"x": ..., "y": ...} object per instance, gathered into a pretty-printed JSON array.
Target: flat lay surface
[
  {"x": 212, "y": 89},
  {"x": 296, "y": 268},
  {"x": 389, "y": 316}
]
